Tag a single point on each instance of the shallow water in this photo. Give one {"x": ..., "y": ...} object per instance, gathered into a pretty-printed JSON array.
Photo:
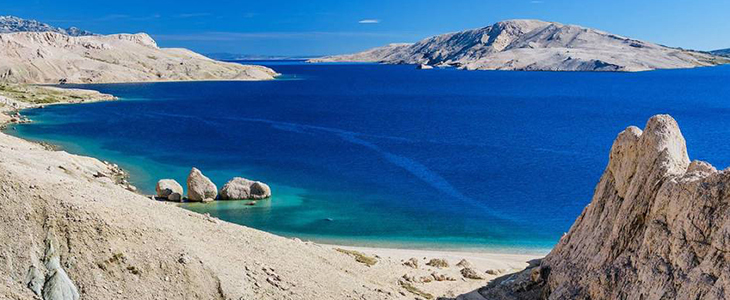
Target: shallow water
[{"x": 392, "y": 156}]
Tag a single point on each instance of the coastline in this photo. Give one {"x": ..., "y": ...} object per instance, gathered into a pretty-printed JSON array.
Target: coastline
[
  {"x": 390, "y": 259},
  {"x": 388, "y": 247}
]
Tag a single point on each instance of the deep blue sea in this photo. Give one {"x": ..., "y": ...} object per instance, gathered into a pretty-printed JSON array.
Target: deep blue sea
[{"x": 387, "y": 155}]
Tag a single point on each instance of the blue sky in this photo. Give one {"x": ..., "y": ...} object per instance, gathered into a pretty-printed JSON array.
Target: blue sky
[{"x": 317, "y": 27}]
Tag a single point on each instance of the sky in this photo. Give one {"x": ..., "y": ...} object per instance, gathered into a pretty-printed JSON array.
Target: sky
[{"x": 322, "y": 27}]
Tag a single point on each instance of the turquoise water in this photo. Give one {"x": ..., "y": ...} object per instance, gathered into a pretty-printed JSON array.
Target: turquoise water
[{"x": 383, "y": 155}]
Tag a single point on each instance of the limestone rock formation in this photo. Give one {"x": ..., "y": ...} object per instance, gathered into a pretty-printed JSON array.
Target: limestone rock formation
[
  {"x": 243, "y": 189},
  {"x": 169, "y": 189},
  {"x": 658, "y": 227},
  {"x": 200, "y": 188},
  {"x": 535, "y": 45},
  {"x": 58, "y": 285},
  {"x": 52, "y": 58}
]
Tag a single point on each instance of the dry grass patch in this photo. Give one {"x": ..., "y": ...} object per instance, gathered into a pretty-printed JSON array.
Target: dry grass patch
[
  {"x": 359, "y": 257},
  {"x": 414, "y": 290}
]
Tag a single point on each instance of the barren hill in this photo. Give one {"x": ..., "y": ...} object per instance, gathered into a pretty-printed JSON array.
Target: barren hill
[
  {"x": 535, "y": 45},
  {"x": 50, "y": 57}
]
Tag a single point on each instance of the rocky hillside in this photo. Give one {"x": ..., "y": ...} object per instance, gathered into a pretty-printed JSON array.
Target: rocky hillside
[
  {"x": 722, "y": 52},
  {"x": 535, "y": 45},
  {"x": 49, "y": 57},
  {"x": 14, "y": 24},
  {"x": 658, "y": 227}
]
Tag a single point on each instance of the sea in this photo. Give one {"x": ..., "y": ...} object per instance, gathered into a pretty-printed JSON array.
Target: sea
[{"x": 391, "y": 156}]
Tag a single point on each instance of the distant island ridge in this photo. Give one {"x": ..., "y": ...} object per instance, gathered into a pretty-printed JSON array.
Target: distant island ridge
[
  {"x": 534, "y": 45},
  {"x": 722, "y": 52},
  {"x": 36, "y": 53}
]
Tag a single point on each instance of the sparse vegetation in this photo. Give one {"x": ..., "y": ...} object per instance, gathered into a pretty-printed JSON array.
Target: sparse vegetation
[
  {"x": 35, "y": 94},
  {"x": 414, "y": 290},
  {"x": 359, "y": 257}
]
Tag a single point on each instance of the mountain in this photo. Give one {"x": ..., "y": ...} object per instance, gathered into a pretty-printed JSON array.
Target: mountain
[
  {"x": 658, "y": 227},
  {"x": 50, "y": 57},
  {"x": 535, "y": 46},
  {"x": 234, "y": 56},
  {"x": 722, "y": 52},
  {"x": 14, "y": 24}
]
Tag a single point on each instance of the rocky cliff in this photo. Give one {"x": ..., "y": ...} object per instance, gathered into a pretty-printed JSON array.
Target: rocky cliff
[
  {"x": 658, "y": 227},
  {"x": 49, "y": 57},
  {"x": 535, "y": 45}
]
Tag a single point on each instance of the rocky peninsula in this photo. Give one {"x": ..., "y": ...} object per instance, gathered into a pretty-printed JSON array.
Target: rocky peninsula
[{"x": 533, "y": 45}]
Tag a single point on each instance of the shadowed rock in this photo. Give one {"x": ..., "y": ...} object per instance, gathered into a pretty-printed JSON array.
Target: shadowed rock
[
  {"x": 169, "y": 189},
  {"x": 58, "y": 285}
]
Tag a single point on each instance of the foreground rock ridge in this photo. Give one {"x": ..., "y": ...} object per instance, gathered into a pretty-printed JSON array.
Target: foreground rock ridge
[
  {"x": 52, "y": 58},
  {"x": 658, "y": 227},
  {"x": 535, "y": 45}
]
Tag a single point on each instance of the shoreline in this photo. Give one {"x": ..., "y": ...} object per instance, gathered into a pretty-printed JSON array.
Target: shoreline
[
  {"x": 487, "y": 253},
  {"x": 506, "y": 262},
  {"x": 392, "y": 271},
  {"x": 387, "y": 247}
]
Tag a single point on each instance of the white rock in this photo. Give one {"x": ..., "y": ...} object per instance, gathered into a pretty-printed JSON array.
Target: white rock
[
  {"x": 200, "y": 188},
  {"x": 243, "y": 189}
]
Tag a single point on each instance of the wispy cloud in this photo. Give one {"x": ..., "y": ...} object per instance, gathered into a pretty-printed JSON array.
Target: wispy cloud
[
  {"x": 112, "y": 17},
  {"x": 115, "y": 17},
  {"x": 193, "y": 15},
  {"x": 537, "y": 2},
  {"x": 369, "y": 21},
  {"x": 238, "y": 36}
]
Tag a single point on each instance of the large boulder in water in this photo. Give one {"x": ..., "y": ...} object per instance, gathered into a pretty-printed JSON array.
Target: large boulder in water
[
  {"x": 200, "y": 188},
  {"x": 169, "y": 189},
  {"x": 243, "y": 189}
]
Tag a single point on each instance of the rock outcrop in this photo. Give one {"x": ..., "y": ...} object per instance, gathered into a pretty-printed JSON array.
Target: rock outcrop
[
  {"x": 169, "y": 189},
  {"x": 52, "y": 58},
  {"x": 200, "y": 188},
  {"x": 243, "y": 189},
  {"x": 535, "y": 45},
  {"x": 658, "y": 227}
]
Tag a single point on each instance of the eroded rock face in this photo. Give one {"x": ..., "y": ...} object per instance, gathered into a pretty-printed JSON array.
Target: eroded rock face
[
  {"x": 243, "y": 189},
  {"x": 169, "y": 189},
  {"x": 200, "y": 188},
  {"x": 658, "y": 227}
]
